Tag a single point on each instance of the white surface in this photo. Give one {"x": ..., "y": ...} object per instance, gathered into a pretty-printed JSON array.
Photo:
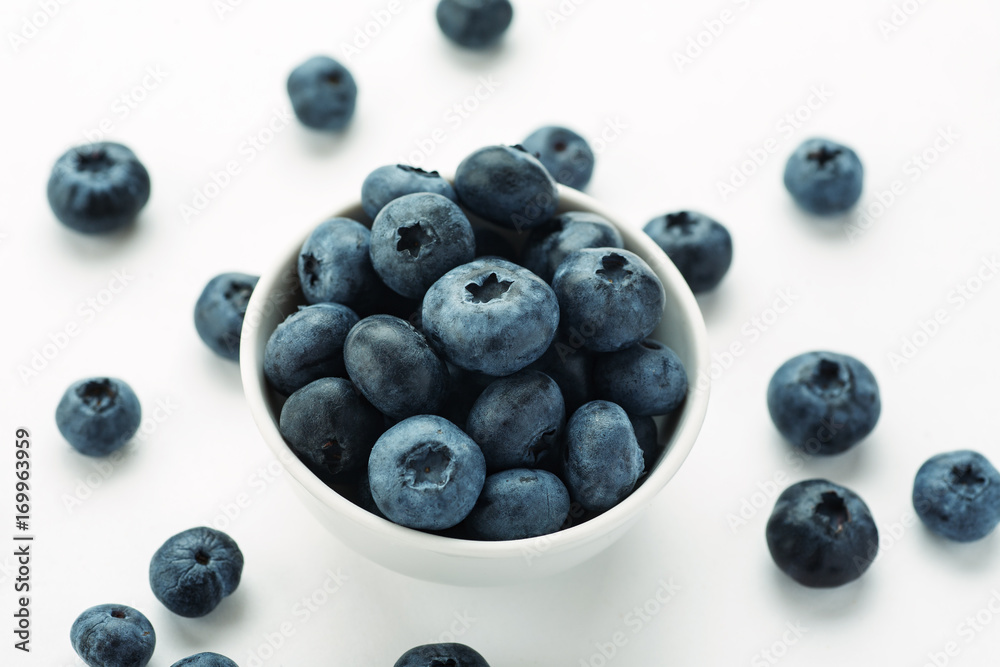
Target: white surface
[
  {"x": 470, "y": 562},
  {"x": 685, "y": 131}
]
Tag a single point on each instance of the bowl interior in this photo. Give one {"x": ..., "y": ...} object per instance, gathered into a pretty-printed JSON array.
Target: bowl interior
[{"x": 278, "y": 294}]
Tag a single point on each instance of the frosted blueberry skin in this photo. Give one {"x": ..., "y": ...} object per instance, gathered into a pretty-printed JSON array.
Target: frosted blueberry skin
[
  {"x": 98, "y": 188},
  {"x": 331, "y": 428},
  {"x": 821, "y": 534},
  {"x": 307, "y": 346},
  {"x": 113, "y": 635},
  {"x": 220, "y": 310},
  {"x": 334, "y": 265},
  {"x": 646, "y": 379},
  {"x": 425, "y": 473},
  {"x": 507, "y": 186},
  {"x": 609, "y": 296},
  {"x": 957, "y": 495},
  {"x": 323, "y": 93},
  {"x": 603, "y": 459},
  {"x": 474, "y": 24},
  {"x": 98, "y": 416},
  {"x": 824, "y": 403},
  {"x": 824, "y": 177},
  {"x": 700, "y": 247},
  {"x": 517, "y": 421},
  {"x": 490, "y": 316},
  {"x": 550, "y": 244},
  {"x": 394, "y": 367},
  {"x": 205, "y": 660},
  {"x": 441, "y": 655},
  {"x": 518, "y": 503},
  {"x": 396, "y": 180},
  {"x": 418, "y": 238},
  {"x": 194, "y": 570},
  {"x": 564, "y": 153}
]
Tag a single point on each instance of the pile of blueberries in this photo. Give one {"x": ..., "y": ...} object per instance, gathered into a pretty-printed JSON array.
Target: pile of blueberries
[{"x": 476, "y": 365}]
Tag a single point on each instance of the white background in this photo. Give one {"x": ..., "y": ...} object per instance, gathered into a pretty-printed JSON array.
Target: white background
[{"x": 683, "y": 130}]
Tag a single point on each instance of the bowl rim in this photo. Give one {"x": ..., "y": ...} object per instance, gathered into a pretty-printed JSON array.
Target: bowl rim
[{"x": 682, "y": 439}]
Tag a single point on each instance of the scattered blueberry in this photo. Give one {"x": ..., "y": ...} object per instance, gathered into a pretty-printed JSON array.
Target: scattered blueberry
[
  {"x": 608, "y": 296},
  {"x": 645, "y": 379},
  {"x": 699, "y": 247},
  {"x": 550, "y": 244},
  {"x": 474, "y": 24},
  {"x": 395, "y": 368},
  {"x": 490, "y": 316},
  {"x": 517, "y": 421},
  {"x": 824, "y": 177},
  {"x": 205, "y": 660},
  {"x": 823, "y": 403},
  {"x": 821, "y": 534},
  {"x": 418, "y": 238},
  {"x": 507, "y": 186},
  {"x": 396, "y": 180},
  {"x": 649, "y": 440},
  {"x": 98, "y": 187},
  {"x": 603, "y": 459},
  {"x": 331, "y": 428},
  {"x": 335, "y": 266},
  {"x": 564, "y": 153},
  {"x": 113, "y": 635},
  {"x": 219, "y": 312},
  {"x": 957, "y": 495},
  {"x": 307, "y": 346},
  {"x": 517, "y": 504},
  {"x": 98, "y": 415},
  {"x": 194, "y": 570},
  {"x": 323, "y": 93},
  {"x": 426, "y": 473}
]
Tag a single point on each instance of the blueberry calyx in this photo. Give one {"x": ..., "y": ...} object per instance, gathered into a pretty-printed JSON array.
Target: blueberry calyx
[
  {"x": 99, "y": 395},
  {"x": 613, "y": 268},
  {"x": 117, "y": 613},
  {"x": 429, "y": 466},
  {"x": 967, "y": 480},
  {"x": 417, "y": 170},
  {"x": 490, "y": 289},
  {"x": 823, "y": 155},
  {"x": 93, "y": 159},
  {"x": 832, "y": 507},
  {"x": 680, "y": 219},
  {"x": 412, "y": 239},
  {"x": 201, "y": 557}
]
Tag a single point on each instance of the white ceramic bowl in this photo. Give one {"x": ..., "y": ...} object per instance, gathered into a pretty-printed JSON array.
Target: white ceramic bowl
[{"x": 465, "y": 562}]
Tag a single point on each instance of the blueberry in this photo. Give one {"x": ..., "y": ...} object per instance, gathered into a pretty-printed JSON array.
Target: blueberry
[
  {"x": 426, "y": 473},
  {"x": 649, "y": 441},
  {"x": 205, "y": 660},
  {"x": 492, "y": 244},
  {"x": 335, "y": 266},
  {"x": 517, "y": 504},
  {"x": 113, "y": 635},
  {"x": 490, "y": 316},
  {"x": 441, "y": 655},
  {"x": 194, "y": 570},
  {"x": 824, "y": 403},
  {"x": 608, "y": 296},
  {"x": 418, "y": 238},
  {"x": 572, "y": 368},
  {"x": 331, "y": 428},
  {"x": 603, "y": 459},
  {"x": 307, "y": 346},
  {"x": 957, "y": 495},
  {"x": 396, "y": 180},
  {"x": 219, "y": 312},
  {"x": 474, "y": 24},
  {"x": 98, "y": 187},
  {"x": 98, "y": 415},
  {"x": 645, "y": 379},
  {"x": 507, "y": 186},
  {"x": 517, "y": 421},
  {"x": 821, "y": 534},
  {"x": 548, "y": 245},
  {"x": 564, "y": 153},
  {"x": 824, "y": 177},
  {"x": 395, "y": 368},
  {"x": 699, "y": 247},
  {"x": 323, "y": 93}
]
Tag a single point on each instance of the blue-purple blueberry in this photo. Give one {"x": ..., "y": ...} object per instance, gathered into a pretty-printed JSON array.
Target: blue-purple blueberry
[
  {"x": 219, "y": 312},
  {"x": 957, "y": 495},
  {"x": 519, "y": 503},
  {"x": 566, "y": 154},
  {"x": 603, "y": 459},
  {"x": 507, "y": 186},
  {"x": 307, "y": 346},
  {"x": 700, "y": 247},
  {"x": 113, "y": 635},
  {"x": 98, "y": 415},
  {"x": 194, "y": 570}
]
